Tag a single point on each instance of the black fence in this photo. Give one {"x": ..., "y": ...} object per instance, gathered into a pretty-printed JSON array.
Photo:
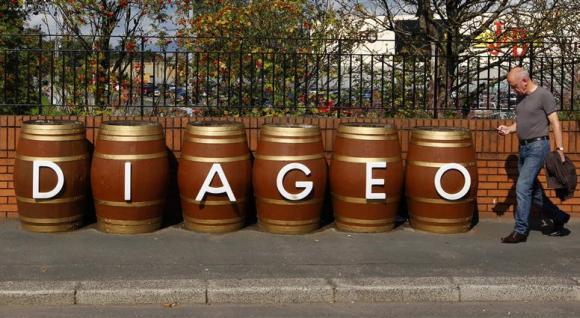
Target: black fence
[{"x": 54, "y": 75}]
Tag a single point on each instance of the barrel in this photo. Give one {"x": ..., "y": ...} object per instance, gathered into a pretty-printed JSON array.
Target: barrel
[
  {"x": 291, "y": 158},
  {"x": 129, "y": 176},
  {"x": 441, "y": 179},
  {"x": 356, "y": 145},
  {"x": 213, "y": 150},
  {"x": 63, "y": 145}
]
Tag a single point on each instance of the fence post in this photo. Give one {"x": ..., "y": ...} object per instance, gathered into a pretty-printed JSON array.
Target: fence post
[
  {"x": 142, "y": 69},
  {"x": 435, "y": 84},
  {"x": 338, "y": 102},
  {"x": 531, "y": 60},
  {"x": 241, "y": 79},
  {"x": 39, "y": 74}
]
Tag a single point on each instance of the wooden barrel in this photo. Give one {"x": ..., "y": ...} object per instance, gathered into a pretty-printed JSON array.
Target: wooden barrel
[
  {"x": 357, "y": 144},
  {"x": 213, "y": 150},
  {"x": 62, "y": 143},
  {"x": 441, "y": 179},
  {"x": 129, "y": 176},
  {"x": 293, "y": 157}
]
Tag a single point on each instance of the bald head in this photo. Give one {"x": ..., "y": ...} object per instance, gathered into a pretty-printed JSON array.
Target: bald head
[
  {"x": 518, "y": 73},
  {"x": 519, "y": 80}
]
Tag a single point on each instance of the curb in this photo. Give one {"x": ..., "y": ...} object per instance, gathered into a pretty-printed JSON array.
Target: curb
[{"x": 291, "y": 291}]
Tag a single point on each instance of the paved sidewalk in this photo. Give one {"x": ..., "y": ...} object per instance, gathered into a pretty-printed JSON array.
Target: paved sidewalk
[{"x": 250, "y": 266}]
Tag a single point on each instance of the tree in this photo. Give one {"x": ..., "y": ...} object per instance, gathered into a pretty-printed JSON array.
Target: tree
[
  {"x": 278, "y": 46},
  {"x": 92, "y": 24},
  {"x": 18, "y": 63},
  {"x": 450, "y": 29}
]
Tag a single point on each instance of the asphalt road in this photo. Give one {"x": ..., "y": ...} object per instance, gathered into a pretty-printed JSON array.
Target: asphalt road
[
  {"x": 175, "y": 253},
  {"x": 442, "y": 310}
]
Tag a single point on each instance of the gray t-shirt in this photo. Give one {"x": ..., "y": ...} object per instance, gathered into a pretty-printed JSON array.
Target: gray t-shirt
[{"x": 532, "y": 112}]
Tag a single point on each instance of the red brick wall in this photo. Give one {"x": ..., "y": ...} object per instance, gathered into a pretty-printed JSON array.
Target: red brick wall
[{"x": 496, "y": 155}]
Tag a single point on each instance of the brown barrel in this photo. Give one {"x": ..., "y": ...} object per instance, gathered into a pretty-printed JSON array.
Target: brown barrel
[
  {"x": 63, "y": 143},
  {"x": 206, "y": 144},
  {"x": 430, "y": 148},
  {"x": 143, "y": 145},
  {"x": 279, "y": 145},
  {"x": 354, "y": 146}
]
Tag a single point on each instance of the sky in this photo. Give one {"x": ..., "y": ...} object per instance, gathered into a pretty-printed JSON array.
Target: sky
[{"x": 49, "y": 26}]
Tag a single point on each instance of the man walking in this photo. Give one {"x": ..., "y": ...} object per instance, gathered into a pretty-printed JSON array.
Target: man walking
[{"x": 535, "y": 111}]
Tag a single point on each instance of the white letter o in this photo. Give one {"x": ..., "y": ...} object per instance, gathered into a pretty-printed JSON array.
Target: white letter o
[{"x": 466, "y": 185}]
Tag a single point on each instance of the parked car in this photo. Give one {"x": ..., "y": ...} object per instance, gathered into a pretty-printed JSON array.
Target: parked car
[{"x": 149, "y": 89}]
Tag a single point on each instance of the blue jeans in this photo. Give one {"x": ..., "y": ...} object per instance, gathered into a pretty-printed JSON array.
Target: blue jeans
[{"x": 528, "y": 189}]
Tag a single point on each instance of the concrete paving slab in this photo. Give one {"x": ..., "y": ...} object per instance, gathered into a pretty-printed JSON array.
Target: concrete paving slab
[
  {"x": 141, "y": 292},
  {"x": 392, "y": 289},
  {"x": 33, "y": 293},
  {"x": 269, "y": 291},
  {"x": 517, "y": 289}
]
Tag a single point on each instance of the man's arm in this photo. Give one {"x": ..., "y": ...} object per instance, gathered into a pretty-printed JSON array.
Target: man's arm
[
  {"x": 555, "y": 122},
  {"x": 506, "y": 130}
]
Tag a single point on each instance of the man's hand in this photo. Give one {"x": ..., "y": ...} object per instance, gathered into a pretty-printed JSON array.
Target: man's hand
[
  {"x": 561, "y": 153},
  {"x": 504, "y": 130}
]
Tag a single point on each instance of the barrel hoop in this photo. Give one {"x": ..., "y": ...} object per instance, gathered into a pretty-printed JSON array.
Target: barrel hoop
[
  {"x": 358, "y": 200},
  {"x": 439, "y": 201},
  {"x": 440, "y": 220},
  {"x": 290, "y": 140},
  {"x": 215, "y": 160},
  {"x": 217, "y": 228},
  {"x": 124, "y": 204},
  {"x": 442, "y": 144},
  {"x": 131, "y": 157},
  {"x": 190, "y": 219},
  {"x": 52, "y": 138},
  {"x": 147, "y": 128},
  {"x": 130, "y": 138},
  {"x": 444, "y": 137},
  {"x": 288, "y": 202},
  {"x": 289, "y": 158},
  {"x": 289, "y": 131},
  {"x": 44, "y": 132},
  {"x": 215, "y": 141},
  {"x": 362, "y": 130},
  {"x": 216, "y": 133},
  {"x": 367, "y": 137},
  {"x": 364, "y": 221},
  {"x": 156, "y": 220},
  {"x": 213, "y": 202},
  {"x": 53, "y": 125},
  {"x": 50, "y": 201},
  {"x": 219, "y": 127},
  {"x": 438, "y": 164},
  {"x": 155, "y": 132},
  {"x": 289, "y": 134},
  {"x": 440, "y": 131},
  {"x": 365, "y": 159},
  {"x": 49, "y": 228},
  {"x": 440, "y": 229},
  {"x": 53, "y": 159},
  {"x": 68, "y": 219},
  {"x": 289, "y": 222}
]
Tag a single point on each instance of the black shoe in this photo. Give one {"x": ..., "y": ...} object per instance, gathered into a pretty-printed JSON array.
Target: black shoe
[
  {"x": 514, "y": 238},
  {"x": 558, "y": 228}
]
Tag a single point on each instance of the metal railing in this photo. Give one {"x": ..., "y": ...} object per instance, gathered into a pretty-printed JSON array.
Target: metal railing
[{"x": 47, "y": 75}]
